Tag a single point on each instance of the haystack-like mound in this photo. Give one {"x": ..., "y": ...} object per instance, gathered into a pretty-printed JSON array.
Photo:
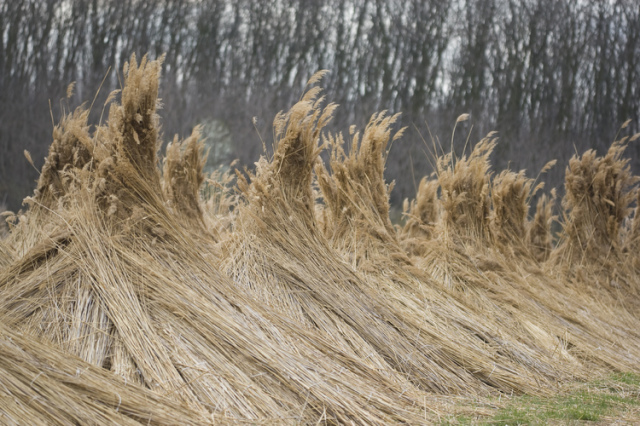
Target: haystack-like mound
[
  {"x": 485, "y": 253},
  {"x": 125, "y": 297},
  {"x": 120, "y": 283},
  {"x": 278, "y": 251},
  {"x": 357, "y": 223}
]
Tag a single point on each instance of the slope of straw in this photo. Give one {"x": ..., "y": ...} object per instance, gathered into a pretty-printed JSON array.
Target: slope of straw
[{"x": 41, "y": 385}]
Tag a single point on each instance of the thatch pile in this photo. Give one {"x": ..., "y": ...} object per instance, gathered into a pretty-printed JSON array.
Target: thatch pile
[
  {"x": 130, "y": 293},
  {"x": 486, "y": 254}
]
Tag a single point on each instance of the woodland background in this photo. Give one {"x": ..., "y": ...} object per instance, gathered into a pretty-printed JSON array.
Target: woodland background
[{"x": 552, "y": 77}]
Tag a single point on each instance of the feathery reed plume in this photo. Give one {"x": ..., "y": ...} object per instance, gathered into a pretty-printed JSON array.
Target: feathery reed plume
[
  {"x": 134, "y": 124},
  {"x": 465, "y": 185},
  {"x": 69, "y": 154},
  {"x": 539, "y": 238},
  {"x": 297, "y": 133},
  {"x": 598, "y": 195},
  {"x": 70, "y": 150},
  {"x": 126, "y": 150},
  {"x": 220, "y": 201},
  {"x": 510, "y": 195},
  {"x": 182, "y": 177},
  {"x": 356, "y": 195}
]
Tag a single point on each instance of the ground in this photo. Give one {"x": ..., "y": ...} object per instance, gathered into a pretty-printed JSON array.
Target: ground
[{"x": 613, "y": 400}]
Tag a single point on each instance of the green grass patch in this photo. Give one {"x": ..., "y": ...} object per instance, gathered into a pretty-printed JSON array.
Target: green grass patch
[{"x": 598, "y": 401}]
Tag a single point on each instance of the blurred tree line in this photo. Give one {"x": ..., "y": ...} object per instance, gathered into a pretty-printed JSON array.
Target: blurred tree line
[{"x": 550, "y": 76}]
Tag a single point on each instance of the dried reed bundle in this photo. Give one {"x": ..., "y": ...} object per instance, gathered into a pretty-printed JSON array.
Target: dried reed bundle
[
  {"x": 510, "y": 194},
  {"x": 70, "y": 150},
  {"x": 69, "y": 153},
  {"x": 465, "y": 186},
  {"x": 182, "y": 177},
  {"x": 474, "y": 271},
  {"x": 322, "y": 320},
  {"x": 356, "y": 195},
  {"x": 421, "y": 217},
  {"x": 277, "y": 251},
  {"x": 357, "y": 191},
  {"x": 539, "y": 238},
  {"x": 598, "y": 195},
  {"x": 127, "y": 148},
  {"x": 219, "y": 202},
  {"x": 591, "y": 253}
]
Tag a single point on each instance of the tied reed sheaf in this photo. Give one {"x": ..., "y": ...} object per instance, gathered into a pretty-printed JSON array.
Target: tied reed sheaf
[{"x": 131, "y": 293}]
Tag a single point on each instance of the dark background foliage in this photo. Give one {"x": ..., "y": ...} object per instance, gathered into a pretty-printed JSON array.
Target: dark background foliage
[{"x": 551, "y": 77}]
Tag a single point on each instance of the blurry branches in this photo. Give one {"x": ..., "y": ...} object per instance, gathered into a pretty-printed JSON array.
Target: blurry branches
[{"x": 547, "y": 75}]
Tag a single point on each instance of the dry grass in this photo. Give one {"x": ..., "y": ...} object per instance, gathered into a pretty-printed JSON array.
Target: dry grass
[
  {"x": 182, "y": 178},
  {"x": 421, "y": 217},
  {"x": 41, "y": 385},
  {"x": 286, "y": 295},
  {"x": 465, "y": 185},
  {"x": 598, "y": 196},
  {"x": 356, "y": 197},
  {"x": 510, "y": 193},
  {"x": 599, "y": 193},
  {"x": 539, "y": 236},
  {"x": 468, "y": 261}
]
